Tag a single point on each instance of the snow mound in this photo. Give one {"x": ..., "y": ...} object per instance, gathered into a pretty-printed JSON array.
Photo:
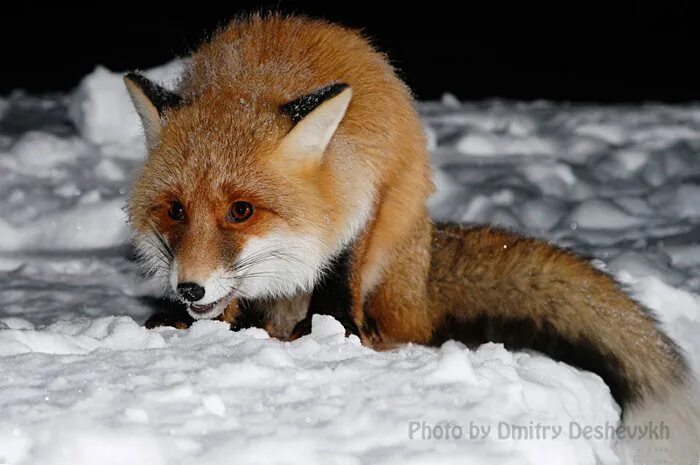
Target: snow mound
[
  {"x": 80, "y": 336},
  {"x": 169, "y": 396}
]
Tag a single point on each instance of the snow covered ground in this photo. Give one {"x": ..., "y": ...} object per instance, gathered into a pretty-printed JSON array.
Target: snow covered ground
[{"x": 82, "y": 382}]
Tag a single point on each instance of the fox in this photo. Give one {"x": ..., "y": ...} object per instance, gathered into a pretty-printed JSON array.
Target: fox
[{"x": 288, "y": 175}]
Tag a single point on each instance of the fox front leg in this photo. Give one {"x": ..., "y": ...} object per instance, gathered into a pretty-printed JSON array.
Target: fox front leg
[
  {"x": 335, "y": 295},
  {"x": 246, "y": 314},
  {"x": 171, "y": 314}
]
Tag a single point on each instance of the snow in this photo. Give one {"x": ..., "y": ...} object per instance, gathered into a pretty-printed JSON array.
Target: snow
[
  {"x": 102, "y": 110},
  {"x": 83, "y": 382}
]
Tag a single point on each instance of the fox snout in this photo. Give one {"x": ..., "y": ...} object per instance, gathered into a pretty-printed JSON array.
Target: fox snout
[
  {"x": 205, "y": 292},
  {"x": 191, "y": 292}
]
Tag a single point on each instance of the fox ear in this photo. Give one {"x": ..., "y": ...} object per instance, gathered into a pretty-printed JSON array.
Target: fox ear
[
  {"x": 316, "y": 117},
  {"x": 150, "y": 101}
]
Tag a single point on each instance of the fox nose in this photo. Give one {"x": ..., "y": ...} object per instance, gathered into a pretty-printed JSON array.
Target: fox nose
[{"x": 191, "y": 292}]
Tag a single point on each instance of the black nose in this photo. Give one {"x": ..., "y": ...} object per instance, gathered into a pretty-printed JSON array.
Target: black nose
[{"x": 191, "y": 292}]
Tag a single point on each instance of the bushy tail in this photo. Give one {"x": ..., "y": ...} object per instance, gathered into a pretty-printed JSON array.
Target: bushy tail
[{"x": 527, "y": 294}]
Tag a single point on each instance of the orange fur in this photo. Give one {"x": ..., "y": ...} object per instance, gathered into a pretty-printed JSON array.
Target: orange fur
[
  {"x": 481, "y": 271},
  {"x": 370, "y": 190}
]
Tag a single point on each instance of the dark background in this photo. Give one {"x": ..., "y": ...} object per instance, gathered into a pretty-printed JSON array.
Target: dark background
[{"x": 617, "y": 52}]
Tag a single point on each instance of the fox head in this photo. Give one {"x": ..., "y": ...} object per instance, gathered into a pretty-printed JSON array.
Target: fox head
[{"x": 239, "y": 196}]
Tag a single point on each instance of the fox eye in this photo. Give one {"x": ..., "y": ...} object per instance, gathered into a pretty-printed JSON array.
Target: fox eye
[
  {"x": 177, "y": 211},
  {"x": 240, "y": 211}
]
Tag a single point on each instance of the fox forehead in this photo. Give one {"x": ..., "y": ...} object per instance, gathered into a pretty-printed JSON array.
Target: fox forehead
[
  {"x": 221, "y": 130},
  {"x": 217, "y": 144}
]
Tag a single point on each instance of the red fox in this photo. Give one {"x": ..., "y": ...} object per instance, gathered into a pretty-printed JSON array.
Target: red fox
[{"x": 288, "y": 174}]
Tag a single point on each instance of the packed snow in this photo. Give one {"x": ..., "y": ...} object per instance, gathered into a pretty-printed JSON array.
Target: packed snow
[{"x": 83, "y": 382}]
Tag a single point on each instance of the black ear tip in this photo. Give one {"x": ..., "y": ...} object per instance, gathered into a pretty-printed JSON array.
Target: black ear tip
[
  {"x": 299, "y": 108},
  {"x": 137, "y": 78},
  {"x": 333, "y": 90},
  {"x": 160, "y": 97}
]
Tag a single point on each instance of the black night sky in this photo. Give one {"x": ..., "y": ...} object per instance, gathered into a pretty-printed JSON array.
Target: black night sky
[{"x": 623, "y": 53}]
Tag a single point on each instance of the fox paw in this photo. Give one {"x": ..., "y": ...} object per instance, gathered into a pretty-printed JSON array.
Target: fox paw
[
  {"x": 302, "y": 328},
  {"x": 168, "y": 319}
]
